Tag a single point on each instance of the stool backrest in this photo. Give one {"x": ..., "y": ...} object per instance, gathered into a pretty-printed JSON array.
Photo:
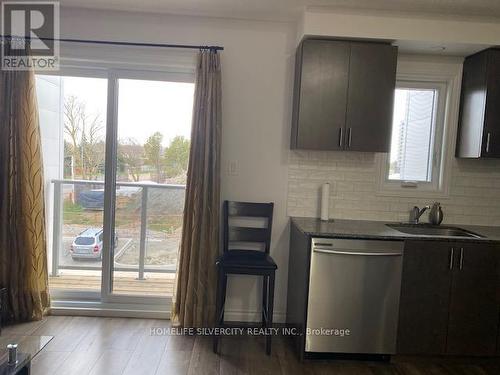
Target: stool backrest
[{"x": 247, "y": 234}]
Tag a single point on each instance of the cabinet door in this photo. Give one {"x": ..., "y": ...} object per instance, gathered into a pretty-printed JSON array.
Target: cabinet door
[
  {"x": 425, "y": 290},
  {"x": 321, "y": 95},
  {"x": 470, "y": 142},
  {"x": 491, "y": 133},
  {"x": 370, "y": 99},
  {"x": 475, "y": 304}
]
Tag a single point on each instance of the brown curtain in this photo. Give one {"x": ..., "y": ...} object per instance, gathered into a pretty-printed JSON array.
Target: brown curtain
[
  {"x": 23, "y": 257},
  {"x": 194, "y": 302}
]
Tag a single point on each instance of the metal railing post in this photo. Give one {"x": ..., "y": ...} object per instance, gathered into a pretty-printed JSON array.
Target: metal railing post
[
  {"x": 57, "y": 228},
  {"x": 144, "y": 225}
]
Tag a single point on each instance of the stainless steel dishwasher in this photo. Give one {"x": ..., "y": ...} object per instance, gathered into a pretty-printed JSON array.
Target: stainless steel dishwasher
[{"x": 354, "y": 288}]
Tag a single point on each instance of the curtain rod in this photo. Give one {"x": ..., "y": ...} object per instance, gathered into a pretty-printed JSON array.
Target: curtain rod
[{"x": 119, "y": 43}]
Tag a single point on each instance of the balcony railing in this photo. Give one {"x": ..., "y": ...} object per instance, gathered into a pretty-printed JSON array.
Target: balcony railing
[{"x": 145, "y": 193}]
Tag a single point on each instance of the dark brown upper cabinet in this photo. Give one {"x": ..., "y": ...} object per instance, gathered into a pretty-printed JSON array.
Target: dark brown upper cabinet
[
  {"x": 479, "y": 125},
  {"x": 343, "y": 96}
]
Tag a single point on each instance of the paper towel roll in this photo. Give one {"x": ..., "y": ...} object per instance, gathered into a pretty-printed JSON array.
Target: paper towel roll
[{"x": 325, "y": 201}]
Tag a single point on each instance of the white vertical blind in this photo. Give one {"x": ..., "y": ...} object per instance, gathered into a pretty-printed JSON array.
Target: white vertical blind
[{"x": 414, "y": 144}]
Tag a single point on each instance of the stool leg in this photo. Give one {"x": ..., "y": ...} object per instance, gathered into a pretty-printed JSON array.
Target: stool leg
[
  {"x": 224, "y": 288},
  {"x": 270, "y": 308},
  {"x": 265, "y": 287},
  {"x": 218, "y": 307}
]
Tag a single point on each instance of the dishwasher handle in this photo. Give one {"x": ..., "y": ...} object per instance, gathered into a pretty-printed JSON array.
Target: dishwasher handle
[{"x": 351, "y": 252}]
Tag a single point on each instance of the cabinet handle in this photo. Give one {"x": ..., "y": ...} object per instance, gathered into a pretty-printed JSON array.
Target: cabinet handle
[
  {"x": 349, "y": 136},
  {"x": 341, "y": 137},
  {"x": 451, "y": 257},
  {"x": 461, "y": 258},
  {"x": 488, "y": 137}
]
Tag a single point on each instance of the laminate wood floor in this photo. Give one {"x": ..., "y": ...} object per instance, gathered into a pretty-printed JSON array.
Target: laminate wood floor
[{"x": 116, "y": 346}]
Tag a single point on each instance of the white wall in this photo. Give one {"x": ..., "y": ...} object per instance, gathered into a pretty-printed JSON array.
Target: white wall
[{"x": 257, "y": 69}]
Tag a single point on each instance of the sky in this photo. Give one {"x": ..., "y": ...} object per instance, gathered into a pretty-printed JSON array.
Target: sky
[{"x": 144, "y": 107}]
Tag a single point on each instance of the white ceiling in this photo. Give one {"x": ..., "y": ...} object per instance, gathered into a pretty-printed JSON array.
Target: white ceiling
[{"x": 288, "y": 9}]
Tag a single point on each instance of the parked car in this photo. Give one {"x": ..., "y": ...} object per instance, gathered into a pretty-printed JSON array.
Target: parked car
[{"x": 88, "y": 244}]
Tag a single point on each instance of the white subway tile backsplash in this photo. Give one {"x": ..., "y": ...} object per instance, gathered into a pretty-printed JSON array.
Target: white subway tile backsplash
[{"x": 474, "y": 189}]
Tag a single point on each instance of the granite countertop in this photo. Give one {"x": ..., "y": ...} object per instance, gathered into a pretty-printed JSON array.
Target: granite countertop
[{"x": 365, "y": 229}]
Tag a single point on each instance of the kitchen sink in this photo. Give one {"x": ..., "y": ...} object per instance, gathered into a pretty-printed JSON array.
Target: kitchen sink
[{"x": 433, "y": 230}]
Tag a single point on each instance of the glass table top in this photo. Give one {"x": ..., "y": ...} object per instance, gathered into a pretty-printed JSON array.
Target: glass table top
[{"x": 26, "y": 344}]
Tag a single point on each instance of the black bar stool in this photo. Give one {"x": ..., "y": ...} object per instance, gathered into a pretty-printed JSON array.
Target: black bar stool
[{"x": 240, "y": 258}]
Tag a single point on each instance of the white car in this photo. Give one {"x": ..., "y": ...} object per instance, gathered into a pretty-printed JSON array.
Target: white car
[{"x": 88, "y": 244}]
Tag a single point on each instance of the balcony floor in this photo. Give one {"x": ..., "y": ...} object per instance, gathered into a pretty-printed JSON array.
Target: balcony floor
[{"x": 154, "y": 285}]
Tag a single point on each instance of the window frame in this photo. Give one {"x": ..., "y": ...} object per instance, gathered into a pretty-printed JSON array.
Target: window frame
[
  {"x": 437, "y": 136},
  {"x": 431, "y": 70}
]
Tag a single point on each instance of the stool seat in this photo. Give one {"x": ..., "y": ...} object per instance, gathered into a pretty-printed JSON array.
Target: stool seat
[{"x": 248, "y": 259}]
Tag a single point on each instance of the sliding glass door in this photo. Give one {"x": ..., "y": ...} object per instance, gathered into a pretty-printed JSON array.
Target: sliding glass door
[
  {"x": 116, "y": 148},
  {"x": 73, "y": 127},
  {"x": 154, "y": 128}
]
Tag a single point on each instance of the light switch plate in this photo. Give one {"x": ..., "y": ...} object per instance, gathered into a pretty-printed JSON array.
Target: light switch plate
[{"x": 233, "y": 168}]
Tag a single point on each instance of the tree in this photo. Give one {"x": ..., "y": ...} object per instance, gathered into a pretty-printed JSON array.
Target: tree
[
  {"x": 68, "y": 169},
  {"x": 131, "y": 154},
  {"x": 86, "y": 145},
  {"x": 72, "y": 126},
  {"x": 176, "y": 157},
  {"x": 93, "y": 149},
  {"x": 153, "y": 152}
]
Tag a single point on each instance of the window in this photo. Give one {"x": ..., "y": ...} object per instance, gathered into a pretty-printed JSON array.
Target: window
[
  {"x": 154, "y": 131},
  {"x": 84, "y": 240},
  {"x": 417, "y": 146},
  {"x": 413, "y": 134},
  {"x": 149, "y": 114},
  {"x": 73, "y": 112}
]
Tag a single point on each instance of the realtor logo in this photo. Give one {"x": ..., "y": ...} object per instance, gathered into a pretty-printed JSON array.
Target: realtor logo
[{"x": 30, "y": 35}]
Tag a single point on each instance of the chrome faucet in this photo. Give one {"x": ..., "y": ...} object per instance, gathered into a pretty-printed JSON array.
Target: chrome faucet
[{"x": 416, "y": 212}]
